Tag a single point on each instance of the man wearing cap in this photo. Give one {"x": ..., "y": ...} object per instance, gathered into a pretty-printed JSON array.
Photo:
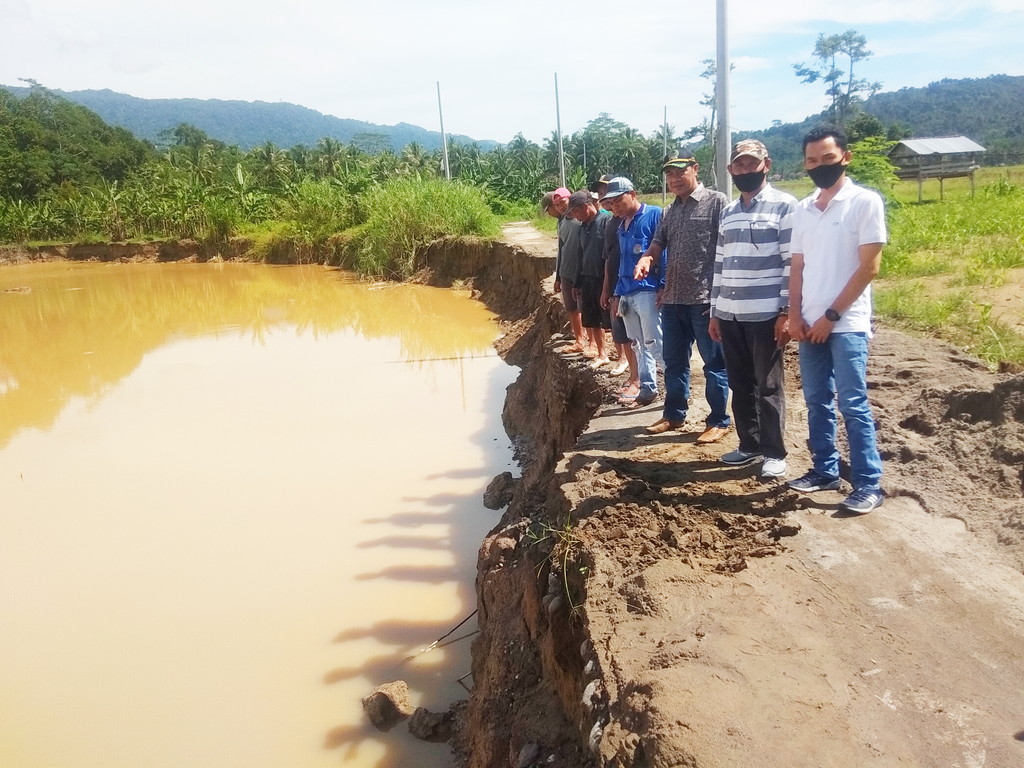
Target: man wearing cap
[
  {"x": 589, "y": 279},
  {"x": 689, "y": 234},
  {"x": 637, "y": 295},
  {"x": 555, "y": 204},
  {"x": 610, "y": 302},
  {"x": 750, "y": 304}
]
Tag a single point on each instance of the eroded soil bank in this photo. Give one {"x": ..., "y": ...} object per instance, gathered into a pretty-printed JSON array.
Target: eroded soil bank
[{"x": 643, "y": 605}]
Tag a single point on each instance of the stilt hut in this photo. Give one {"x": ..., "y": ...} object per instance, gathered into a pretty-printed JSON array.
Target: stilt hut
[{"x": 939, "y": 158}]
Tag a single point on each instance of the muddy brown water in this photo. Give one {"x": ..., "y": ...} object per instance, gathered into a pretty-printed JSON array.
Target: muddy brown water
[{"x": 233, "y": 499}]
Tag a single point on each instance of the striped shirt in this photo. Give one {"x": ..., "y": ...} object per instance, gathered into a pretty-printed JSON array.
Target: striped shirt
[{"x": 751, "y": 281}]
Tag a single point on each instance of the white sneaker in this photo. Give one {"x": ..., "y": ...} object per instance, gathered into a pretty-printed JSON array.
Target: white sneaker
[
  {"x": 773, "y": 468},
  {"x": 620, "y": 368}
]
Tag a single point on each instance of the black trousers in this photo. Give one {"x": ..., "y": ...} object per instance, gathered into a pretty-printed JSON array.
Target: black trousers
[{"x": 753, "y": 363}]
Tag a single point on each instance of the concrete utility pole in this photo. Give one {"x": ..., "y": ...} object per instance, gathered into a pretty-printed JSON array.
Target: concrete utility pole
[
  {"x": 558, "y": 124},
  {"x": 723, "y": 141},
  {"x": 444, "y": 136},
  {"x": 664, "y": 156}
]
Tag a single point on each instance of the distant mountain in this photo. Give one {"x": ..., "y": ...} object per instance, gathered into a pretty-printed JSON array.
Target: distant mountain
[
  {"x": 246, "y": 124},
  {"x": 989, "y": 110}
]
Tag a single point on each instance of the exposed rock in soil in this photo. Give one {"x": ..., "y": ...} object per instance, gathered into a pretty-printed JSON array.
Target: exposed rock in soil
[
  {"x": 431, "y": 726},
  {"x": 388, "y": 705},
  {"x": 500, "y": 490}
]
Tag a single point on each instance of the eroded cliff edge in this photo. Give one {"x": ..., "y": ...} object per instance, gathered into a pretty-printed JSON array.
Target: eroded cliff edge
[{"x": 643, "y": 605}]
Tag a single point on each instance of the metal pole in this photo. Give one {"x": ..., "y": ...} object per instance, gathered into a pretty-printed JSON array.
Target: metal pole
[
  {"x": 558, "y": 123},
  {"x": 444, "y": 136},
  {"x": 724, "y": 138},
  {"x": 664, "y": 155}
]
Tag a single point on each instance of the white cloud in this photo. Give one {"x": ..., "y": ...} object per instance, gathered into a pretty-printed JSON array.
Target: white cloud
[{"x": 380, "y": 62}]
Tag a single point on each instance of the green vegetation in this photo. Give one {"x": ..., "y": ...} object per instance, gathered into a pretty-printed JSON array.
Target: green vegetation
[
  {"x": 70, "y": 178},
  {"x": 404, "y": 214},
  {"x": 989, "y": 110},
  {"x": 843, "y": 94},
  {"x": 46, "y": 143},
  {"x": 946, "y": 264}
]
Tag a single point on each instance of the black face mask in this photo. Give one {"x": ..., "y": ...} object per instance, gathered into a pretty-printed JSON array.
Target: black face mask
[
  {"x": 825, "y": 176},
  {"x": 748, "y": 182}
]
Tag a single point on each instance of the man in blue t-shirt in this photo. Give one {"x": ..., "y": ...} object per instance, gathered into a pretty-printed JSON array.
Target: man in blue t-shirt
[{"x": 638, "y": 298}]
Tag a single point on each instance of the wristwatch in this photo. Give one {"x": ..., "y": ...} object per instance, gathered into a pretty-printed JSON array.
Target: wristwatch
[
  {"x": 831, "y": 314},
  {"x": 784, "y": 311}
]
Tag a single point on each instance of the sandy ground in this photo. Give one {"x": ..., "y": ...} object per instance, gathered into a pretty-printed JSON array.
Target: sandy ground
[{"x": 734, "y": 622}]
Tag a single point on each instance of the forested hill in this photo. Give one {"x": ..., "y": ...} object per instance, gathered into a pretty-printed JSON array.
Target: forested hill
[
  {"x": 248, "y": 124},
  {"x": 989, "y": 110}
]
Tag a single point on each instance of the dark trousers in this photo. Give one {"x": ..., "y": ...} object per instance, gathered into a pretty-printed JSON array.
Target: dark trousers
[{"x": 754, "y": 363}]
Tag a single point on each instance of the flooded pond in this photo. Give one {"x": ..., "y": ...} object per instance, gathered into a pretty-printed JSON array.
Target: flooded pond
[{"x": 233, "y": 498}]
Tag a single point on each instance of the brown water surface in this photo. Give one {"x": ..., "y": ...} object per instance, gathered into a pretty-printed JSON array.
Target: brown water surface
[{"x": 232, "y": 499}]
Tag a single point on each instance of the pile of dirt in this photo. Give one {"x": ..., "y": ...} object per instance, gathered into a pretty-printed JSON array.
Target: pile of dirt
[{"x": 642, "y": 604}]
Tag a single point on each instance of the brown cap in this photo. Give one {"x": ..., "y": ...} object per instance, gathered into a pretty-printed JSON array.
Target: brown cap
[
  {"x": 751, "y": 147},
  {"x": 581, "y": 197}
]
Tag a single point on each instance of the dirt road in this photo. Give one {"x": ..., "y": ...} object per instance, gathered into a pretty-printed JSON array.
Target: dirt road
[{"x": 727, "y": 621}]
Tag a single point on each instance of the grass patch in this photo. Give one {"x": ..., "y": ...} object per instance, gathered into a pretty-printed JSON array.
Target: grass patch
[{"x": 403, "y": 215}]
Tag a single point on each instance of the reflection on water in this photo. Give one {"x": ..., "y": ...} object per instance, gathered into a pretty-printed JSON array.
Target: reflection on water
[{"x": 232, "y": 500}]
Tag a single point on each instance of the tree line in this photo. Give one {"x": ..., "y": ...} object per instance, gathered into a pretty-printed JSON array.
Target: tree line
[{"x": 66, "y": 175}]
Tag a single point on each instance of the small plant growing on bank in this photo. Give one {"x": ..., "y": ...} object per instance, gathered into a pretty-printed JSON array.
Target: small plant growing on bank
[{"x": 562, "y": 546}]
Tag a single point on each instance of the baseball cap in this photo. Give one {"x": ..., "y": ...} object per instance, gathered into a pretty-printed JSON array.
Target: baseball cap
[
  {"x": 684, "y": 160},
  {"x": 581, "y": 197},
  {"x": 617, "y": 187},
  {"x": 551, "y": 197},
  {"x": 751, "y": 147}
]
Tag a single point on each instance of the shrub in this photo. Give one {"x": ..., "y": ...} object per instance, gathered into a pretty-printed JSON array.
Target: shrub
[{"x": 402, "y": 215}]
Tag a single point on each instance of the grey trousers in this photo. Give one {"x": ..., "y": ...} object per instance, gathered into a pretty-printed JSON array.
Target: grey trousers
[{"x": 753, "y": 363}]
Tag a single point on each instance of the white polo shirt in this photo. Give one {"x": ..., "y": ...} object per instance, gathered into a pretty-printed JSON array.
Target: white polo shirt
[{"x": 829, "y": 241}]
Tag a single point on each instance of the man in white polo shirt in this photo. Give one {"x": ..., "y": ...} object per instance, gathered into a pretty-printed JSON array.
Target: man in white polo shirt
[{"x": 838, "y": 235}]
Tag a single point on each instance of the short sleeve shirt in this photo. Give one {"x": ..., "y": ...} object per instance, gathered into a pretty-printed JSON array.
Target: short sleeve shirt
[{"x": 829, "y": 241}]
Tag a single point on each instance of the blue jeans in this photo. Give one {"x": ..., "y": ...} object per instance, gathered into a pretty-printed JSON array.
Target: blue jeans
[
  {"x": 682, "y": 325},
  {"x": 643, "y": 324},
  {"x": 839, "y": 367}
]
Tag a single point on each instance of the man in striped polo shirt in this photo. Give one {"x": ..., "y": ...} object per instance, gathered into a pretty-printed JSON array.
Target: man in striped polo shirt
[{"x": 750, "y": 304}]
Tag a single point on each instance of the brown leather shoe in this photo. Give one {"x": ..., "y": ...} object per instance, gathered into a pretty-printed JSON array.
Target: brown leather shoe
[
  {"x": 663, "y": 425},
  {"x": 712, "y": 435}
]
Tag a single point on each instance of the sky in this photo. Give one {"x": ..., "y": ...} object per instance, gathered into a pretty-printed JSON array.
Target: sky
[{"x": 496, "y": 62}]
